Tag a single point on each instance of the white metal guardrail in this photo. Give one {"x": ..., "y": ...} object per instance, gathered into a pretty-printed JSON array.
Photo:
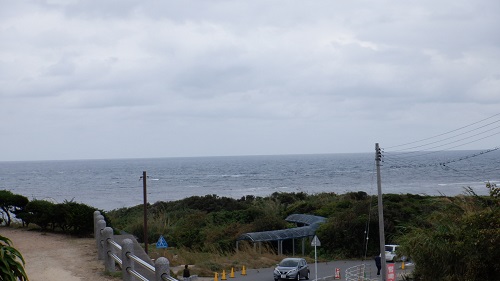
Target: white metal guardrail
[{"x": 358, "y": 273}]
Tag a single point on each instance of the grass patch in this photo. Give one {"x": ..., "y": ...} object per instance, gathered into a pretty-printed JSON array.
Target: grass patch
[{"x": 205, "y": 264}]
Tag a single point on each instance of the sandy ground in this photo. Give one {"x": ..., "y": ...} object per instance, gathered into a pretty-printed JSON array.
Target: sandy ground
[{"x": 57, "y": 257}]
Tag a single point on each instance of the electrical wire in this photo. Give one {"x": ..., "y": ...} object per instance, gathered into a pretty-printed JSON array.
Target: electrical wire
[
  {"x": 367, "y": 226},
  {"x": 445, "y": 167},
  {"x": 443, "y": 134},
  {"x": 402, "y": 163},
  {"x": 455, "y": 141},
  {"x": 412, "y": 156}
]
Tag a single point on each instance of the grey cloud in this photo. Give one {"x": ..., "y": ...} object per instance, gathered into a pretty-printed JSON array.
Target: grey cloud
[{"x": 237, "y": 71}]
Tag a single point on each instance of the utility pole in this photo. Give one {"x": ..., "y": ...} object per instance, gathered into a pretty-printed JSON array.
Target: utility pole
[
  {"x": 378, "y": 156},
  {"x": 145, "y": 211}
]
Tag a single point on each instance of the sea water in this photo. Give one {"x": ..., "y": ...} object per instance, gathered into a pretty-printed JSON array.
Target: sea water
[{"x": 111, "y": 184}]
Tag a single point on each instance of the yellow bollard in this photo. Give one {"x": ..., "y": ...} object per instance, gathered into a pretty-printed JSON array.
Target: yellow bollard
[
  {"x": 216, "y": 277},
  {"x": 243, "y": 271},
  {"x": 223, "y": 275},
  {"x": 403, "y": 265},
  {"x": 232, "y": 273}
]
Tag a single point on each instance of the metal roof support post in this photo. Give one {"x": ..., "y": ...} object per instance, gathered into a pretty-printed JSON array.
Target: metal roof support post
[
  {"x": 293, "y": 246},
  {"x": 303, "y": 246}
]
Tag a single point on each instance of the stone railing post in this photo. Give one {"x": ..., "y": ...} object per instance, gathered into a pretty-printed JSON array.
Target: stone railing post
[
  {"x": 127, "y": 263},
  {"x": 96, "y": 213},
  {"x": 109, "y": 262},
  {"x": 100, "y": 242},
  {"x": 97, "y": 218},
  {"x": 162, "y": 267}
]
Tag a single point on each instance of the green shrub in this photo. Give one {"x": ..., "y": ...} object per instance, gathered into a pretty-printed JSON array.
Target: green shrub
[
  {"x": 460, "y": 243},
  {"x": 41, "y": 213},
  {"x": 71, "y": 217},
  {"x": 11, "y": 204},
  {"x": 79, "y": 218}
]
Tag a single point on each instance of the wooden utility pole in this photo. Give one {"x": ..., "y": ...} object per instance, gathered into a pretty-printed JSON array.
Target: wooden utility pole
[
  {"x": 145, "y": 211},
  {"x": 378, "y": 156}
]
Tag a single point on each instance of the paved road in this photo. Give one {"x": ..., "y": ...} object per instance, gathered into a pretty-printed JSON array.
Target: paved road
[{"x": 324, "y": 270}]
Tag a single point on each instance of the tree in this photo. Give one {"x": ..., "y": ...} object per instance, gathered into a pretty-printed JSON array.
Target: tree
[
  {"x": 41, "y": 213},
  {"x": 461, "y": 242},
  {"x": 11, "y": 203},
  {"x": 77, "y": 218},
  {"x": 12, "y": 262}
]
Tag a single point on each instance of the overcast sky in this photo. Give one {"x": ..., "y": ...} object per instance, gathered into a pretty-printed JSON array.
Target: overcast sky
[{"x": 125, "y": 79}]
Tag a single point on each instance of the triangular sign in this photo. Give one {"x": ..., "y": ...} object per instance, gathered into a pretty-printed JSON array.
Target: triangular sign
[
  {"x": 161, "y": 244},
  {"x": 316, "y": 241}
]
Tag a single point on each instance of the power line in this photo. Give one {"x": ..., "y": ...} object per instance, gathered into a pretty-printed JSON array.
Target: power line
[
  {"x": 442, "y": 163},
  {"x": 419, "y": 153},
  {"x": 445, "y": 167},
  {"x": 452, "y": 137},
  {"x": 449, "y": 132},
  {"x": 406, "y": 157}
]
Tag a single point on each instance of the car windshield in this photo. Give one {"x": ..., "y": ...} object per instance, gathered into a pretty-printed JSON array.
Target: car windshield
[
  {"x": 389, "y": 248},
  {"x": 289, "y": 263}
]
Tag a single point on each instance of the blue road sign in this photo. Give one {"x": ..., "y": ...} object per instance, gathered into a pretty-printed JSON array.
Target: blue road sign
[{"x": 161, "y": 244}]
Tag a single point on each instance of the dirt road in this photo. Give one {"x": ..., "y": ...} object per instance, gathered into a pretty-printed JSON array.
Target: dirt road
[{"x": 57, "y": 257}]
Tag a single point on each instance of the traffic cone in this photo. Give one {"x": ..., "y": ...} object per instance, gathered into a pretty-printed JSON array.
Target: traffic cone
[
  {"x": 223, "y": 275},
  {"x": 232, "y": 273},
  {"x": 216, "y": 277},
  {"x": 243, "y": 271},
  {"x": 337, "y": 273}
]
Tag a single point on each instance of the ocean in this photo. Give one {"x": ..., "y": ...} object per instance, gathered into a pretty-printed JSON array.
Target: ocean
[{"x": 116, "y": 183}]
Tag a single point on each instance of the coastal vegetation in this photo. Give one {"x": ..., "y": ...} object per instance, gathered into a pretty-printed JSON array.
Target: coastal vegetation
[
  {"x": 459, "y": 241},
  {"x": 69, "y": 217},
  {"x": 448, "y": 238},
  {"x": 11, "y": 262}
]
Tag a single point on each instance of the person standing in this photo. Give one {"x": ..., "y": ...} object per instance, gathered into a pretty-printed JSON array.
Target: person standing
[
  {"x": 378, "y": 264},
  {"x": 185, "y": 273}
]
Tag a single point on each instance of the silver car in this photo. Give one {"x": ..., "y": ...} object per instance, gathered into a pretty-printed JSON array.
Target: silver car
[{"x": 292, "y": 268}]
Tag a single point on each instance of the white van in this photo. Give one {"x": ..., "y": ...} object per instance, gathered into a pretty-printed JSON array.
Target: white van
[{"x": 390, "y": 252}]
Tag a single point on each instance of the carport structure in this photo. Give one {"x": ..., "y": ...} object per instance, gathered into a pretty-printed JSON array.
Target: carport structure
[{"x": 306, "y": 227}]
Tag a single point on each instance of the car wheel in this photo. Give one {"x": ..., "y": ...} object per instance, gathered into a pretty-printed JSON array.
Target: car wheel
[
  {"x": 298, "y": 276},
  {"x": 308, "y": 275}
]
